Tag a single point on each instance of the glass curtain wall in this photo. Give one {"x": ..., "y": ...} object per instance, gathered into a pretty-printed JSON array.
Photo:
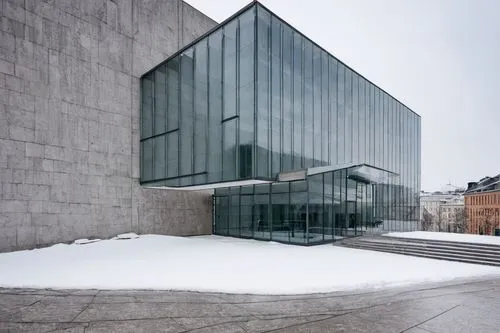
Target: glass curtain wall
[
  {"x": 198, "y": 107},
  {"x": 255, "y": 97},
  {"x": 319, "y": 209}
]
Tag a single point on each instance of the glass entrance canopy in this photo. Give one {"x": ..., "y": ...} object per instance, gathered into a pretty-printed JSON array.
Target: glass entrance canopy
[{"x": 308, "y": 207}]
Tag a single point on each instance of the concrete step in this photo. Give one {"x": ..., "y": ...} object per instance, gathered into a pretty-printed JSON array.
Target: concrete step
[
  {"x": 480, "y": 248},
  {"x": 425, "y": 253},
  {"x": 430, "y": 256},
  {"x": 493, "y": 254},
  {"x": 407, "y": 249},
  {"x": 440, "y": 242}
]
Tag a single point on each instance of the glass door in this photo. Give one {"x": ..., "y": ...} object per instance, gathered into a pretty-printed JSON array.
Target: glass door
[{"x": 351, "y": 220}]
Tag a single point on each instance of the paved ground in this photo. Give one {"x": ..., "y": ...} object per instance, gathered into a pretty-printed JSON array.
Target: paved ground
[{"x": 460, "y": 306}]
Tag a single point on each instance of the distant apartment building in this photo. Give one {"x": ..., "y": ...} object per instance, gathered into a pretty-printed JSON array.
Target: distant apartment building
[
  {"x": 442, "y": 211},
  {"x": 482, "y": 205},
  {"x": 453, "y": 215}
]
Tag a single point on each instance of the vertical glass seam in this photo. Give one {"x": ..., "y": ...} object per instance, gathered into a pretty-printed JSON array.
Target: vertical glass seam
[
  {"x": 323, "y": 208},
  {"x": 292, "y": 102},
  {"x": 223, "y": 101},
  {"x": 329, "y": 113},
  {"x": 307, "y": 211},
  {"x": 313, "y": 111},
  {"x": 269, "y": 101},
  {"x": 179, "y": 103},
  {"x": 302, "y": 111},
  {"x": 255, "y": 92},
  {"x": 207, "y": 141},
  {"x": 236, "y": 163},
  {"x": 193, "y": 118},
  {"x": 282, "y": 118}
]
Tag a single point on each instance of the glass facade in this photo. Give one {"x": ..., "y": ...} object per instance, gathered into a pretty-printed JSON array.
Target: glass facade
[
  {"x": 255, "y": 98},
  {"x": 318, "y": 207}
]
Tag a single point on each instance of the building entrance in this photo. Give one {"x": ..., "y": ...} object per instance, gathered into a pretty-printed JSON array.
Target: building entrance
[{"x": 316, "y": 206}]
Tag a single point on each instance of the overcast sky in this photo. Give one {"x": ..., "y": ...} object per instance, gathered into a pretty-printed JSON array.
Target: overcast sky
[{"x": 439, "y": 57}]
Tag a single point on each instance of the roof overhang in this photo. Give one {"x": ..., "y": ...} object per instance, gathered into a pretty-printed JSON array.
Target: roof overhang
[
  {"x": 212, "y": 186},
  {"x": 360, "y": 172}
]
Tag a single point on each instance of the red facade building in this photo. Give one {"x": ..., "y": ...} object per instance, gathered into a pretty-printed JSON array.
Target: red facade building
[{"x": 482, "y": 206}]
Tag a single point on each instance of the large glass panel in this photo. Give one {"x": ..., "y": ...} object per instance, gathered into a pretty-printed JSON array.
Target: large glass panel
[
  {"x": 147, "y": 106},
  {"x": 298, "y": 123},
  {"x": 214, "y": 165},
  {"x": 276, "y": 118},
  {"x": 173, "y": 154},
  {"x": 362, "y": 121},
  {"x": 221, "y": 214},
  {"x": 328, "y": 202},
  {"x": 173, "y": 90},
  {"x": 315, "y": 215},
  {"x": 234, "y": 212},
  {"x": 246, "y": 213},
  {"x": 298, "y": 212},
  {"x": 385, "y": 133},
  {"x": 355, "y": 119},
  {"x": 325, "y": 114},
  {"x": 400, "y": 203},
  {"x": 160, "y": 168},
  {"x": 333, "y": 111},
  {"x": 348, "y": 117},
  {"x": 160, "y": 98},
  {"x": 392, "y": 156},
  {"x": 187, "y": 112},
  {"x": 287, "y": 98},
  {"x": 372, "y": 130},
  {"x": 263, "y": 100},
  {"x": 147, "y": 154},
  {"x": 341, "y": 114},
  {"x": 280, "y": 200},
  {"x": 230, "y": 69},
  {"x": 378, "y": 128},
  {"x": 308, "y": 105},
  {"x": 262, "y": 212},
  {"x": 351, "y": 207},
  {"x": 246, "y": 94},
  {"x": 338, "y": 203},
  {"x": 229, "y": 151},
  {"x": 317, "y": 106},
  {"x": 201, "y": 107}
]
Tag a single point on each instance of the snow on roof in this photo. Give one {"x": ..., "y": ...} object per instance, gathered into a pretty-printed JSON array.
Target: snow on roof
[{"x": 484, "y": 185}]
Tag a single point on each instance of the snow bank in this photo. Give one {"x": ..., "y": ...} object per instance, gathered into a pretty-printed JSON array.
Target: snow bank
[
  {"x": 446, "y": 236},
  {"x": 129, "y": 235},
  {"x": 84, "y": 241},
  {"x": 220, "y": 264}
]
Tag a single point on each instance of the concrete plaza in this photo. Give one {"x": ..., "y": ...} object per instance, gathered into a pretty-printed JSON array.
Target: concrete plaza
[{"x": 455, "y": 306}]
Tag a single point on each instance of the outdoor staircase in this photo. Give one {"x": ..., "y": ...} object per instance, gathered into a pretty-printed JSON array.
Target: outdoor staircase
[{"x": 472, "y": 253}]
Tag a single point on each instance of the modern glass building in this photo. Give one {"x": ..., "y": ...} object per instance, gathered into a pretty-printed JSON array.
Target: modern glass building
[{"x": 299, "y": 147}]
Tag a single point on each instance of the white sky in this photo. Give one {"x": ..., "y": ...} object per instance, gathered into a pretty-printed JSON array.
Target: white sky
[{"x": 440, "y": 58}]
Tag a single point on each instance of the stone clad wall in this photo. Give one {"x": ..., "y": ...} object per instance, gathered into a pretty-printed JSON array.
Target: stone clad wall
[{"x": 69, "y": 119}]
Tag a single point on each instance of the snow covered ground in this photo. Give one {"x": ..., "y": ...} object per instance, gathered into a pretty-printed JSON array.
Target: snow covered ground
[
  {"x": 220, "y": 264},
  {"x": 446, "y": 236}
]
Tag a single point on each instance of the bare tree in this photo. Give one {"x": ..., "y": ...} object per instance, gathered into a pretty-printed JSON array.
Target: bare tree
[
  {"x": 460, "y": 220},
  {"x": 427, "y": 220},
  {"x": 487, "y": 220},
  {"x": 439, "y": 221}
]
